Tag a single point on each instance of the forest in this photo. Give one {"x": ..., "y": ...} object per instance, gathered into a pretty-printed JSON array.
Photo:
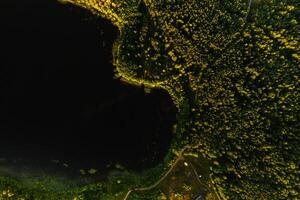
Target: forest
[{"x": 232, "y": 69}]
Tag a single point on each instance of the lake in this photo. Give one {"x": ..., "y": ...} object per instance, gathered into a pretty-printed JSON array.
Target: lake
[{"x": 59, "y": 102}]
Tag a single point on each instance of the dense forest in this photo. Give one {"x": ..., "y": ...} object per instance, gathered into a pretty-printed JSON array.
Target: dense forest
[{"x": 232, "y": 69}]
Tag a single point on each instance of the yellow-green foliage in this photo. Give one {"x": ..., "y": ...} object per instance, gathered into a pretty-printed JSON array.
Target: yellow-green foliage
[
  {"x": 235, "y": 77},
  {"x": 234, "y": 74}
]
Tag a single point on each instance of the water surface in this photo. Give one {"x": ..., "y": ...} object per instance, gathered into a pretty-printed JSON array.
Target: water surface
[{"x": 59, "y": 102}]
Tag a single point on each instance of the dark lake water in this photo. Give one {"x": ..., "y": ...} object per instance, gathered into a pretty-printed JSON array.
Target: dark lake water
[{"x": 58, "y": 98}]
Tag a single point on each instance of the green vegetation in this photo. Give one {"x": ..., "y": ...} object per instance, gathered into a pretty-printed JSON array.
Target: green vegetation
[{"x": 232, "y": 69}]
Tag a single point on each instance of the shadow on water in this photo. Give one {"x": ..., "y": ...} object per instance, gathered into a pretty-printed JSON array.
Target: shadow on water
[{"x": 59, "y": 101}]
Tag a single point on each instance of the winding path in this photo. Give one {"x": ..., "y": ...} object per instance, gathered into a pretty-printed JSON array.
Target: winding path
[
  {"x": 248, "y": 9},
  {"x": 180, "y": 156}
]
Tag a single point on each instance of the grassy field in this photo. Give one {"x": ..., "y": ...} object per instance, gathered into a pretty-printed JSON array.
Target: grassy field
[{"x": 232, "y": 69}]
